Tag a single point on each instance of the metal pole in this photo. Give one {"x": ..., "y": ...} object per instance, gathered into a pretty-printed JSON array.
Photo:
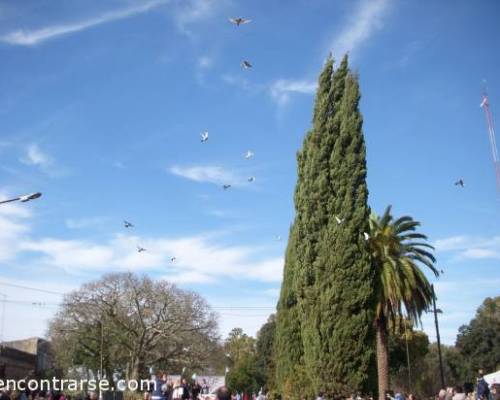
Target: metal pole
[
  {"x": 441, "y": 373},
  {"x": 10, "y": 201}
]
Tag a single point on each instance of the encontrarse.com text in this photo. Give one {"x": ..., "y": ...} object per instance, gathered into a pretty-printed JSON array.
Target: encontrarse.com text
[{"x": 74, "y": 385}]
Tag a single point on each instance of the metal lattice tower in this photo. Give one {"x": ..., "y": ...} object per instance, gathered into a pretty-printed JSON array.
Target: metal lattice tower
[{"x": 485, "y": 104}]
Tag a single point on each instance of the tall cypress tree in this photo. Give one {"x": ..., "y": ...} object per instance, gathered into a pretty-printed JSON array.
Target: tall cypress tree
[
  {"x": 291, "y": 375},
  {"x": 330, "y": 274}
]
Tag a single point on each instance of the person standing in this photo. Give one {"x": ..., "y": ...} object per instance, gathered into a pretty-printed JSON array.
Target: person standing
[
  {"x": 223, "y": 394},
  {"x": 177, "y": 393},
  {"x": 195, "y": 390},
  {"x": 482, "y": 390},
  {"x": 169, "y": 390},
  {"x": 157, "y": 392},
  {"x": 459, "y": 394},
  {"x": 185, "y": 390}
]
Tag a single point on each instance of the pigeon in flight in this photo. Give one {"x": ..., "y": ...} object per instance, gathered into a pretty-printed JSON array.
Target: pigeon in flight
[
  {"x": 460, "y": 183},
  {"x": 339, "y": 221},
  {"x": 366, "y": 235},
  {"x": 249, "y": 155},
  {"x": 245, "y": 64},
  {"x": 204, "y": 137},
  {"x": 127, "y": 224},
  {"x": 225, "y": 187},
  {"x": 173, "y": 259},
  {"x": 239, "y": 21},
  {"x": 140, "y": 249},
  {"x": 251, "y": 179}
]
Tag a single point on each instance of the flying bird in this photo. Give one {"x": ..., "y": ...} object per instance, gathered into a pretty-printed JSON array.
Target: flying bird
[
  {"x": 140, "y": 249},
  {"x": 127, "y": 224},
  {"x": 239, "y": 21},
  {"x": 225, "y": 187},
  {"x": 173, "y": 259},
  {"x": 460, "y": 183},
  {"x": 245, "y": 64},
  {"x": 251, "y": 179},
  {"x": 366, "y": 235},
  {"x": 339, "y": 221},
  {"x": 204, "y": 137},
  {"x": 249, "y": 155}
]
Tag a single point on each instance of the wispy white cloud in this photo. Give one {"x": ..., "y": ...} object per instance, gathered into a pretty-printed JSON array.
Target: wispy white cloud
[
  {"x": 189, "y": 12},
  {"x": 282, "y": 89},
  {"x": 119, "y": 165},
  {"x": 13, "y": 227},
  {"x": 35, "y": 156},
  {"x": 207, "y": 173},
  {"x": 30, "y": 37},
  {"x": 83, "y": 223},
  {"x": 240, "y": 82},
  {"x": 470, "y": 247},
  {"x": 364, "y": 22},
  {"x": 198, "y": 258},
  {"x": 203, "y": 65},
  {"x": 205, "y": 62}
]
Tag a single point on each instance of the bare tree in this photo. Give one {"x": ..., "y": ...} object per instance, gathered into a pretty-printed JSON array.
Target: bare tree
[{"x": 129, "y": 323}]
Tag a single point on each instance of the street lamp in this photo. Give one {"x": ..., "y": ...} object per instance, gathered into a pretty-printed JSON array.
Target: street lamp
[{"x": 24, "y": 198}]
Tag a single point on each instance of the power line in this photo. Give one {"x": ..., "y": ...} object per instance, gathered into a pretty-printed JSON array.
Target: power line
[{"x": 30, "y": 288}]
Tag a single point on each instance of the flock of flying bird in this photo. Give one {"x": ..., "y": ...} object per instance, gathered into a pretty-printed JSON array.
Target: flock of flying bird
[
  {"x": 245, "y": 64},
  {"x": 204, "y": 138}
]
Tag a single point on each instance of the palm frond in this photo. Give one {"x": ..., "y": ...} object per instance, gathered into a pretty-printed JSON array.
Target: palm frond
[{"x": 398, "y": 252}]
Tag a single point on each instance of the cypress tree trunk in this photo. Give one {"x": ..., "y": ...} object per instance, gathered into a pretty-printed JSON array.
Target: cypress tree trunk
[
  {"x": 328, "y": 279},
  {"x": 382, "y": 357}
]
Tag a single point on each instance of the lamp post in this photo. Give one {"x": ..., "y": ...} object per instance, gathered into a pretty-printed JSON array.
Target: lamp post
[
  {"x": 436, "y": 311},
  {"x": 24, "y": 198}
]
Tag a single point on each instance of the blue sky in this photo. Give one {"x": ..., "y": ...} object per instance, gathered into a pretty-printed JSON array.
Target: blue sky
[{"x": 101, "y": 109}]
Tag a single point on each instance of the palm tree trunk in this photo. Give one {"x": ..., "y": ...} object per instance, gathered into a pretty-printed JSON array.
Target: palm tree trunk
[{"x": 382, "y": 357}]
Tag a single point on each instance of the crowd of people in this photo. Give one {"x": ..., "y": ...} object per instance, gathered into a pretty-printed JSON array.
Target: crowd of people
[{"x": 163, "y": 388}]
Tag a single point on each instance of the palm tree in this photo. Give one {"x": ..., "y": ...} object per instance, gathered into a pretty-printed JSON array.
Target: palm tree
[{"x": 398, "y": 251}]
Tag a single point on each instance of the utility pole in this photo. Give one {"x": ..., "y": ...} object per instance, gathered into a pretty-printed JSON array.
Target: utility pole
[{"x": 441, "y": 373}]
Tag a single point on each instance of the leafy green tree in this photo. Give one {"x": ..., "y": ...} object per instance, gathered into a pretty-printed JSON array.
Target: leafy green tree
[
  {"x": 397, "y": 250},
  {"x": 238, "y": 344},
  {"x": 479, "y": 341},
  {"x": 265, "y": 353},
  {"x": 406, "y": 344},
  {"x": 324, "y": 333},
  {"x": 425, "y": 371},
  {"x": 243, "y": 376}
]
